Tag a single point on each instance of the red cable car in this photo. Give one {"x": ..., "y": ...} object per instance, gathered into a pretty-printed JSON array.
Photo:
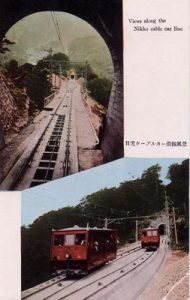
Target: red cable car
[
  {"x": 150, "y": 238},
  {"x": 78, "y": 250}
]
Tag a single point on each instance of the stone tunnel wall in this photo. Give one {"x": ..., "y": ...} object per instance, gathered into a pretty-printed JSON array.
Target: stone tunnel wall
[{"x": 113, "y": 145}]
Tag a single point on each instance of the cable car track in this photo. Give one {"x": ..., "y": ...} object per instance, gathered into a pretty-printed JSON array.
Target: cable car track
[
  {"x": 44, "y": 166},
  {"x": 47, "y": 162},
  {"x": 123, "y": 273},
  {"x": 99, "y": 285},
  {"x": 62, "y": 278},
  {"x": 22, "y": 172}
]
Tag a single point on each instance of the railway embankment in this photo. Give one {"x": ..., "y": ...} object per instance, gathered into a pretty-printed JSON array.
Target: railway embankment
[{"x": 171, "y": 282}]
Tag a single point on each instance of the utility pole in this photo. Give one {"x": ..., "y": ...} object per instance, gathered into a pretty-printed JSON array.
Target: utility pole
[
  {"x": 167, "y": 219},
  {"x": 60, "y": 73},
  {"x": 136, "y": 230},
  {"x": 106, "y": 223},
  {"x": 175, "y": 228},
  {"x": 86, "y": 71},
  {"x": 60, "y": 70},
  {"x": 50, "y": 52}
]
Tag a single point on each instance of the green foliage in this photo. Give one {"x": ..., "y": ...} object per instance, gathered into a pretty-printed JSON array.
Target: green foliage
[
  {"x": 62, "y": 60},
  {"x": 178, "y": 188},
  {"x": 3, "y": 45},
  {"x": 38, "y": 85},
  {"x": 178, "y": 191},
  {"x": 37, "y": 77},
  {"x": 100, "y": 89},
  {"x": 12, "y": 69},
  {"x": 136, "y": 197},
  {"x": 95, "y": 52},
  {"x": 34, "y": 78}
]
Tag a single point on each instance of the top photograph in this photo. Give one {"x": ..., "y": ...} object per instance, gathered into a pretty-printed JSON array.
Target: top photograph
[{"x": 61, "y": 82}]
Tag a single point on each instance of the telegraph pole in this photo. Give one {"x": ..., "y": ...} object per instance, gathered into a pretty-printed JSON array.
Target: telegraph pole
[
  {"x": 60, "y": 73},
  {"x": 136, "y": 230},
  {"x": 86, "y": 71},
  {"x": 106, "y": 223},
  {"x": 175, "y": 228},
  {"x": 50, "y": 52},
  {"x": 167, "y": 219}
]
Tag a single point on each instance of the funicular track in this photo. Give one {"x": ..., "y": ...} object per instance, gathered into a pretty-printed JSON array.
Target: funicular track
[
  {"x": 45, "y": 169},
  {"x": 53, "y": 288},
  {"x": 105, "y": 279},
  {"x": 66, "y": 164},
  {"x": 45, "y": 166}
]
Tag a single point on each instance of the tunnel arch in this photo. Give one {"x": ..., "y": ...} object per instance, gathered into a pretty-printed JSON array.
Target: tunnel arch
[
  {"x": 106, "y": 18},
  {"x": 162, "y": 228}
]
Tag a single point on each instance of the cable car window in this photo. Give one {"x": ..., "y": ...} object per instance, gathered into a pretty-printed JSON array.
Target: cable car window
[
  {"x": 69, "y": 239},
  {"x": 80, "y": 239},
  {"x": 149, "y": 233},
  {"x": 59, "y": 240},
  {"x": 154, "y": 233},
  {"x": 144, "y": 233}
]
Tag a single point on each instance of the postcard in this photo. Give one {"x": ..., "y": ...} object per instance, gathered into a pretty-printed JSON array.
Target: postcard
[{"x": 94, "y": 149}]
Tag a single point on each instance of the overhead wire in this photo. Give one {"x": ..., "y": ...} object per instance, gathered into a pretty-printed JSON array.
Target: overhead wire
[{"x": 56, "y": 24}]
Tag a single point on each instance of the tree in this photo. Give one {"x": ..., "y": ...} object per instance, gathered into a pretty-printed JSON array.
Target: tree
[
  {"x": 100, "y": 89},
  {"x": 58, "y": 60},
  {"x": 12, "y": 69},
  {"x": 38, "y": 86},
  {"x": 35, "y": 80},
  {"x": 153, "y": 186},
  {"x": 177, "y": 189},
  {"x": 36, "y": 241},
  {"x": 3, "y": 45}
]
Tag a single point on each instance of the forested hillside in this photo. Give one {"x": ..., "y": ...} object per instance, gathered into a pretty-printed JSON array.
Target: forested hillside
[{"x": 92, "y": 49}]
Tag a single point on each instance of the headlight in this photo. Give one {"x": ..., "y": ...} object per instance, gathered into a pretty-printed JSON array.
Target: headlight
[{"x": 67, "y": 255}]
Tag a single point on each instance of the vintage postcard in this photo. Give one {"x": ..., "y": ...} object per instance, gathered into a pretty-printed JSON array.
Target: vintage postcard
[{"x": 94, "y": 149}]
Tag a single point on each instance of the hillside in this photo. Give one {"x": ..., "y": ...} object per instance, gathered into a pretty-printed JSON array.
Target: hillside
[
  {"x": 79, "y": 40},
  {"x": 94, "y": 50}
]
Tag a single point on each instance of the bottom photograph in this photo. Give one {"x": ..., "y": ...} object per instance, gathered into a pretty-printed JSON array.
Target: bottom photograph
[{"x": 117, "y": 231}]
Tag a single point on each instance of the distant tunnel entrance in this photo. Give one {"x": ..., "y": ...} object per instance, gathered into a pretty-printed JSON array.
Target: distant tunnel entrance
[{"x": 162, "y": 229}]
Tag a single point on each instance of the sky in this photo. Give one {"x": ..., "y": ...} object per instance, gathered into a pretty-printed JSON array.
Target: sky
[
  {"x": 27, "y": 32},
  {"x": 70, "y": 190},
  {"x": 31, "y": 42}
]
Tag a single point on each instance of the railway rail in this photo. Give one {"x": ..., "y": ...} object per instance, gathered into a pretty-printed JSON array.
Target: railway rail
[
  {"x": 53, "y": 287},
  {"x": 46, "y": 166},
  {"x": 91, "y": 288},
  {"x": 60, "y": 130},
  {"x": 48, "y": 138}
]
